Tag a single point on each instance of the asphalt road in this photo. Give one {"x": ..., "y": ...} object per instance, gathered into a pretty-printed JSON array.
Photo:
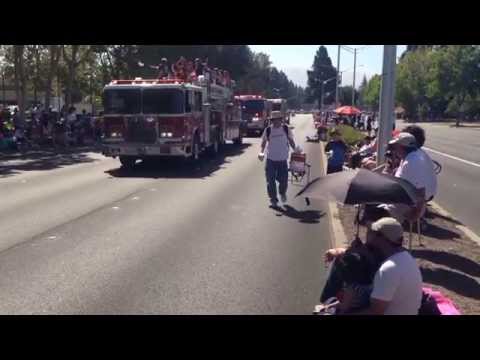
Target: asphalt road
[
  {"x": 458, "y": 150},
  {"x": 79, "y": 236}
]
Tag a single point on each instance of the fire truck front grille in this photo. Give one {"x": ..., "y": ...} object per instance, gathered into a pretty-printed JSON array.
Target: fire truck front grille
[{"x": 139, "y": 131}]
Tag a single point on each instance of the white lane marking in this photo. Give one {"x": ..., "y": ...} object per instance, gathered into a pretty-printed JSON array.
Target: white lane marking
[
  {"x": 153, "y": 189},
  {"x": 452, "y": 157},
  {"x": 23, "y": 181},
  {"x": 115, "y": 208},
  {"x": 52, "y": 237},
  {"x": 135, "y": 198}
]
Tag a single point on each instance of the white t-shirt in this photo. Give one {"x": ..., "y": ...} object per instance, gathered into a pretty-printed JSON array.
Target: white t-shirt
[
  {"x": 399, "y": 282},
  {"x": 278, "y": 147},
  {"x": 417, "y": 168}
]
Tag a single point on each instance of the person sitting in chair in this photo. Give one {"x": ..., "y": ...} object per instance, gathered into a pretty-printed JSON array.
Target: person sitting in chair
[
  {"x": 419, "y": 134},
  {"x": 415, "y": 168}
]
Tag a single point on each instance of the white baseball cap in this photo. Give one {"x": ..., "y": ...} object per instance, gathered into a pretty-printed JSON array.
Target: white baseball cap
[
  {"x": 404, "y": 139},
  {"x": 390, "y": 228}
]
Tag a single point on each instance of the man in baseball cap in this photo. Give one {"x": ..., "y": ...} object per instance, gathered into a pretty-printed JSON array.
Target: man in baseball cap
[
  {"x": 414, "y": 168},
  {"x": 397, "y": 285}
]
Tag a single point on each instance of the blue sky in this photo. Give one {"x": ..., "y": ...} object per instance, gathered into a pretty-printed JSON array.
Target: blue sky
[{"x": 295, "y": 60}]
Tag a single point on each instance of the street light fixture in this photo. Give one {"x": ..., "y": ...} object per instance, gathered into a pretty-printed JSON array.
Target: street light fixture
[
  {"x": 354, "y": 52},
  {"x": 3, "y": 88},
  {"x": 323, "y": 84}
]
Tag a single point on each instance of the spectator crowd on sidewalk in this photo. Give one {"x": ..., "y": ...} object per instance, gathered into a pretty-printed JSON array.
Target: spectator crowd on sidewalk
[
  {"x": 379, "y": 276},
  {"x": 48, "y": 126}
]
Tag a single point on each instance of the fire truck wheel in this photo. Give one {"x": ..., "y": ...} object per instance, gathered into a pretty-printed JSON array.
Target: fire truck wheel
[
  {"x": 127, "y": 162},
  {"x": 215, "y": 147},
  {"x": 238, "y": 141},
  {"x": 195, "y": 149}
]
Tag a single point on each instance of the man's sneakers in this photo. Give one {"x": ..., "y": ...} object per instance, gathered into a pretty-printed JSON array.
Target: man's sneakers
[{"x": 274, "y": 202}]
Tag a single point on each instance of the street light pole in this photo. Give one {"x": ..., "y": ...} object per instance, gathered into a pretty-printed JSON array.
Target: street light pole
[
  {"x": 387, "y": 98},
  {"x": 92, "y": 95},
  {"x": 338, "y": 77},
  {"x": 323, "y": 87},
  {"x": 321, "y": 98},
  {"x": 354, "y": 73}
]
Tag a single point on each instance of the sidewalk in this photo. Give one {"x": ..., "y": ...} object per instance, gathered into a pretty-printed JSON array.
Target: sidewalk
[{"x": 449, "y": 259}]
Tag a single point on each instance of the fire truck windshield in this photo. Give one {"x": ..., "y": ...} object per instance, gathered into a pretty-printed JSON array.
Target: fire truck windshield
[
  {"x": 122, "y": 101},
  {"x": 163, "y": 101},
  {"x": 251, "y": 106},
  {"x": 277, "y": 107}
]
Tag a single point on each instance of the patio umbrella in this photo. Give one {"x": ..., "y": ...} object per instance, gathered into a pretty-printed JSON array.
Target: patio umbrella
[
  {"x": 360, "y": 186},
  {"x": 347, "y": 110}
]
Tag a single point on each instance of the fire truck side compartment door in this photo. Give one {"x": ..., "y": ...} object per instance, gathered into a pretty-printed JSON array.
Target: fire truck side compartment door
[{"x": 206, "y": 125}]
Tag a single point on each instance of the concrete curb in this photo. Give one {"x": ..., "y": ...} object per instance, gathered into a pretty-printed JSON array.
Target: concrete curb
[
  {"x": 466, "y": 231},
  {"x": 337, "y": 233}
]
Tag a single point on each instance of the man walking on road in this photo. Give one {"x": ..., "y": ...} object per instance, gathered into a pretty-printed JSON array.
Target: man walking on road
[{"x": 277, "y": 138}]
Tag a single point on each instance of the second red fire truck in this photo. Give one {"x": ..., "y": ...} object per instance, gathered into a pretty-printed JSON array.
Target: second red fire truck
[{"x": 256, "y": 112}]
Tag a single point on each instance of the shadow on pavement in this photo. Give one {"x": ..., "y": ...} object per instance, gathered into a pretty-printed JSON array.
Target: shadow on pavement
[
  {"x": 452, "y": 261},
  {"x": 306, "y": 217},
  {"x": 429, "y": 214},
  {"x": 453, "y": 281},
  {"x": 440, "y": 233},
  {"x": 14, "y": 163},
  {"x": 179, "y": 168}
]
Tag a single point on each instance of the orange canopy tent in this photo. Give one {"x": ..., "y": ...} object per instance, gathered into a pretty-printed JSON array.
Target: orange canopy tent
[{"x": 347, "y": 110}]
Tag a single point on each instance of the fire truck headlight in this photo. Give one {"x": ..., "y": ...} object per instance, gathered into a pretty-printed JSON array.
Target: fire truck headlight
[
  {"x": 169, "y": 134},
  {"x": 149, "y": 119},
  {"x": 255, "y": 119},
  {"x": 163, "y": 134}
]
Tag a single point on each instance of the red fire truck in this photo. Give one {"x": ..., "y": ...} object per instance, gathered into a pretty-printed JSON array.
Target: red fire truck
[
  {"x": 168, "y": 118},
  {"x": 256, "y": 112}
]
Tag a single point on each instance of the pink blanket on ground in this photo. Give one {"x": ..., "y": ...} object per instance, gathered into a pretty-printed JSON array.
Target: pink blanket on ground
[{"x": 445, "y": 305}]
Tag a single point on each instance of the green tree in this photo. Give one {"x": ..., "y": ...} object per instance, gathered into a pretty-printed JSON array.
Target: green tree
[
  {"x": 361, "y": 90},
  {"x": 345, "y": 94},
  {"x": 322, "y": 70},
  {"x": 371, "y": 93}
]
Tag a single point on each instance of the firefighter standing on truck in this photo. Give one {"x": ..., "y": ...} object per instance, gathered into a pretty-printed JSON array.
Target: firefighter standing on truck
[{"x": 276, "y": 138}]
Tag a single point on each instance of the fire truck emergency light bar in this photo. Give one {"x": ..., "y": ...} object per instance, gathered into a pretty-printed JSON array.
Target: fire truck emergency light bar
[{"x": 146, "y": 81}]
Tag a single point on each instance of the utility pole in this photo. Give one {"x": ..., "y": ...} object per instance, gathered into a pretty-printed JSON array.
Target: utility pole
[
  {"x": 338, "y": 77},
  {"x": 387, "y": 98},
  {"x": 354, "y": 73},
  {"x": 3, "y": 88}
]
